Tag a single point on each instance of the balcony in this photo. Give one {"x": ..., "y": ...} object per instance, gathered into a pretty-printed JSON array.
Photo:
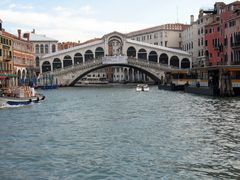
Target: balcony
[{"x": 7, "y": 58}]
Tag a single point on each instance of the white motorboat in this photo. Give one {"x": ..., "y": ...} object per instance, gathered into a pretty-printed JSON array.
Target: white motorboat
[
  {"x": 145, "y": 87},
  {"x": 142, "y": 87}
]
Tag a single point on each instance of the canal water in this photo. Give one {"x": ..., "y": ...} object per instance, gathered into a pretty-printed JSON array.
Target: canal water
[{"x": 117, "y": 133}]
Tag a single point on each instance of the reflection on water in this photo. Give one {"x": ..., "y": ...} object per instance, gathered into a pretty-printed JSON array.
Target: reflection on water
[{"x": 117, "y": 133}]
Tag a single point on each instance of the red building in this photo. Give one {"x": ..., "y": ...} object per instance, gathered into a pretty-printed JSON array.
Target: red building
[{"x": 217, "y": 35}]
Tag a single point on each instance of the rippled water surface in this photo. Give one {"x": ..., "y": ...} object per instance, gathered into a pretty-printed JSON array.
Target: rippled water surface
[{"x": 117, "y": 133}]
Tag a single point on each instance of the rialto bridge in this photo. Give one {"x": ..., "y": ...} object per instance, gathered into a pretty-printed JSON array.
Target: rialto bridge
[{"x": 114, "y": 49}]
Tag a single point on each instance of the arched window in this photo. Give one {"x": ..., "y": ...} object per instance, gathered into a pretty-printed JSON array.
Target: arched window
[
  {"x": 67, "y": 61},
  {"x": 163, "y": 59},
  {"x": 41, "y": 49},
  {"x": 142, "y": 54},
  {"x": 78, "y": 58},
  {"x": 88, "y": 55},
  {"x": 37, "y": 61},
  {"x": 46, "y": 66},
  {"x": 99, "y": 52},
  {"x": 46, "y": 49},
  {"x": 131, "y": 52},
  {"x": 57, "y": 64},
  {"x": 37, "y": 49},
  {"x": 53, "y": 48},
  {"x": 174, "y": 61},
  {"x": 185, "y": 63},
  {"x": 153, "y": 56}
]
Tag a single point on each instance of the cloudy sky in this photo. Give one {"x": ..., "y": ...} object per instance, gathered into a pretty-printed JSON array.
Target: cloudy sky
[{"x": 73, "y": 20}]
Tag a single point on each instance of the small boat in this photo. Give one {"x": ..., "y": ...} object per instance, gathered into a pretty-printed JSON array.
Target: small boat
[
  {"x": 142, "y": 87},
  {"x": 15, "y": 99},
  {"x": 145, "y": 87}
]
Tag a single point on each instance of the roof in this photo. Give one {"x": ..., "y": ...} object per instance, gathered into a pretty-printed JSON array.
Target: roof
[
  {"x": 9, "y": 35},
  {"x": 40, "y": 37},
  {"x": 172, "y": 27}
]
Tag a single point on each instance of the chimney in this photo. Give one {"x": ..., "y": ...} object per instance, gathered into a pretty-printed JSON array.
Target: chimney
[
  {"x": 28, "y": 34},
  {"x": 33, "y": 31},
  {"x": 0, "y": 25},
  {"x": 19, "y": 33},
  {"x": 191, "y": 19}
]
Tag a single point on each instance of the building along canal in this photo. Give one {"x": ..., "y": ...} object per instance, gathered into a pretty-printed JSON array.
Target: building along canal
[{"x": 118, "y": 133}]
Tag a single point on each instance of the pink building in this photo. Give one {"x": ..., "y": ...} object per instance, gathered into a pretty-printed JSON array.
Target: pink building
[{"x": 232, "y": 39}]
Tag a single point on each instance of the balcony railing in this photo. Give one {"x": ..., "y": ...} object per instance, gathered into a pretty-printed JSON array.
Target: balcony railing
[{"x": 7, "y": 58}]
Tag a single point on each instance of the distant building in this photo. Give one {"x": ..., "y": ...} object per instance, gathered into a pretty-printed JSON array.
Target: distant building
[
  {"x": 42, "y": 45},
  {"x": 167, "y": 35},
  {"x": 222, "y": 34},
  {"x": 23, "y": 58},
  {"x": 203, "y": 20},
  {"x": 6, "y": 58},
  {"x": 190, "y": 40},
  {"x": 232, "y": 39}
]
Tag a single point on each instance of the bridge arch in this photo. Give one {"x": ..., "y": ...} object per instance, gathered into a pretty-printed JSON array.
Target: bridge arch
[
  {"x": 142, "y": 70},
  {"x": 57, "y": 64},
  {"x": 131, "y": 52},
  {"x": 99, "y": 52},
  {"x": 185, "y": 63},
  {"x": 153, "y": 57},
  {"x": 88, "y": 56},
  {"x": 174, "y": 61},
  {"x": 163, "y": 58},
  {"x": 67, "y": 61},
  {"x": 142, "y": 54},
  {"x": 78, "y": 58},
  {"x": 46, "y": 66}
]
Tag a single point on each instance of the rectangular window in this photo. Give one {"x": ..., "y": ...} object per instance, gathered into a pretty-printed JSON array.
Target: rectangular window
[
  {"x": 0, "y": 52},
  {"x": 206, "y": 42}
]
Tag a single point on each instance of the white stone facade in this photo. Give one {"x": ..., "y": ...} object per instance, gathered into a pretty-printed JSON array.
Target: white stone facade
[
  {"x": 42, "y": 45},
  {"x": 168, "y": 35},
  {"x": 190, "y": 41}
]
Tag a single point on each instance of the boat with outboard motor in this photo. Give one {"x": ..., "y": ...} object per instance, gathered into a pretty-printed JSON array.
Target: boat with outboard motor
[{"x": 19, "y": 96}]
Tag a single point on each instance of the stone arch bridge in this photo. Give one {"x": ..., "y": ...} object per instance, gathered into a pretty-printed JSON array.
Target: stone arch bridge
[{"x": 114, "y": 49}]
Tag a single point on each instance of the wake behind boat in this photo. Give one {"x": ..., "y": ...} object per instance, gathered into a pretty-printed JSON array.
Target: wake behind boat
[
  {"x": 142, "y": 87},
  {"x": 19, "y": 96}
]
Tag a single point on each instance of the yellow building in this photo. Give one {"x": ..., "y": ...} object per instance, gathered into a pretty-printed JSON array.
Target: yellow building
[{"x": 6, "y": 59}]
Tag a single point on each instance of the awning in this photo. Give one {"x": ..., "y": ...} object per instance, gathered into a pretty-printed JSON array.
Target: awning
[
  {"x": 8, "y": 75},
  {"x": 232, "y": 69}
]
